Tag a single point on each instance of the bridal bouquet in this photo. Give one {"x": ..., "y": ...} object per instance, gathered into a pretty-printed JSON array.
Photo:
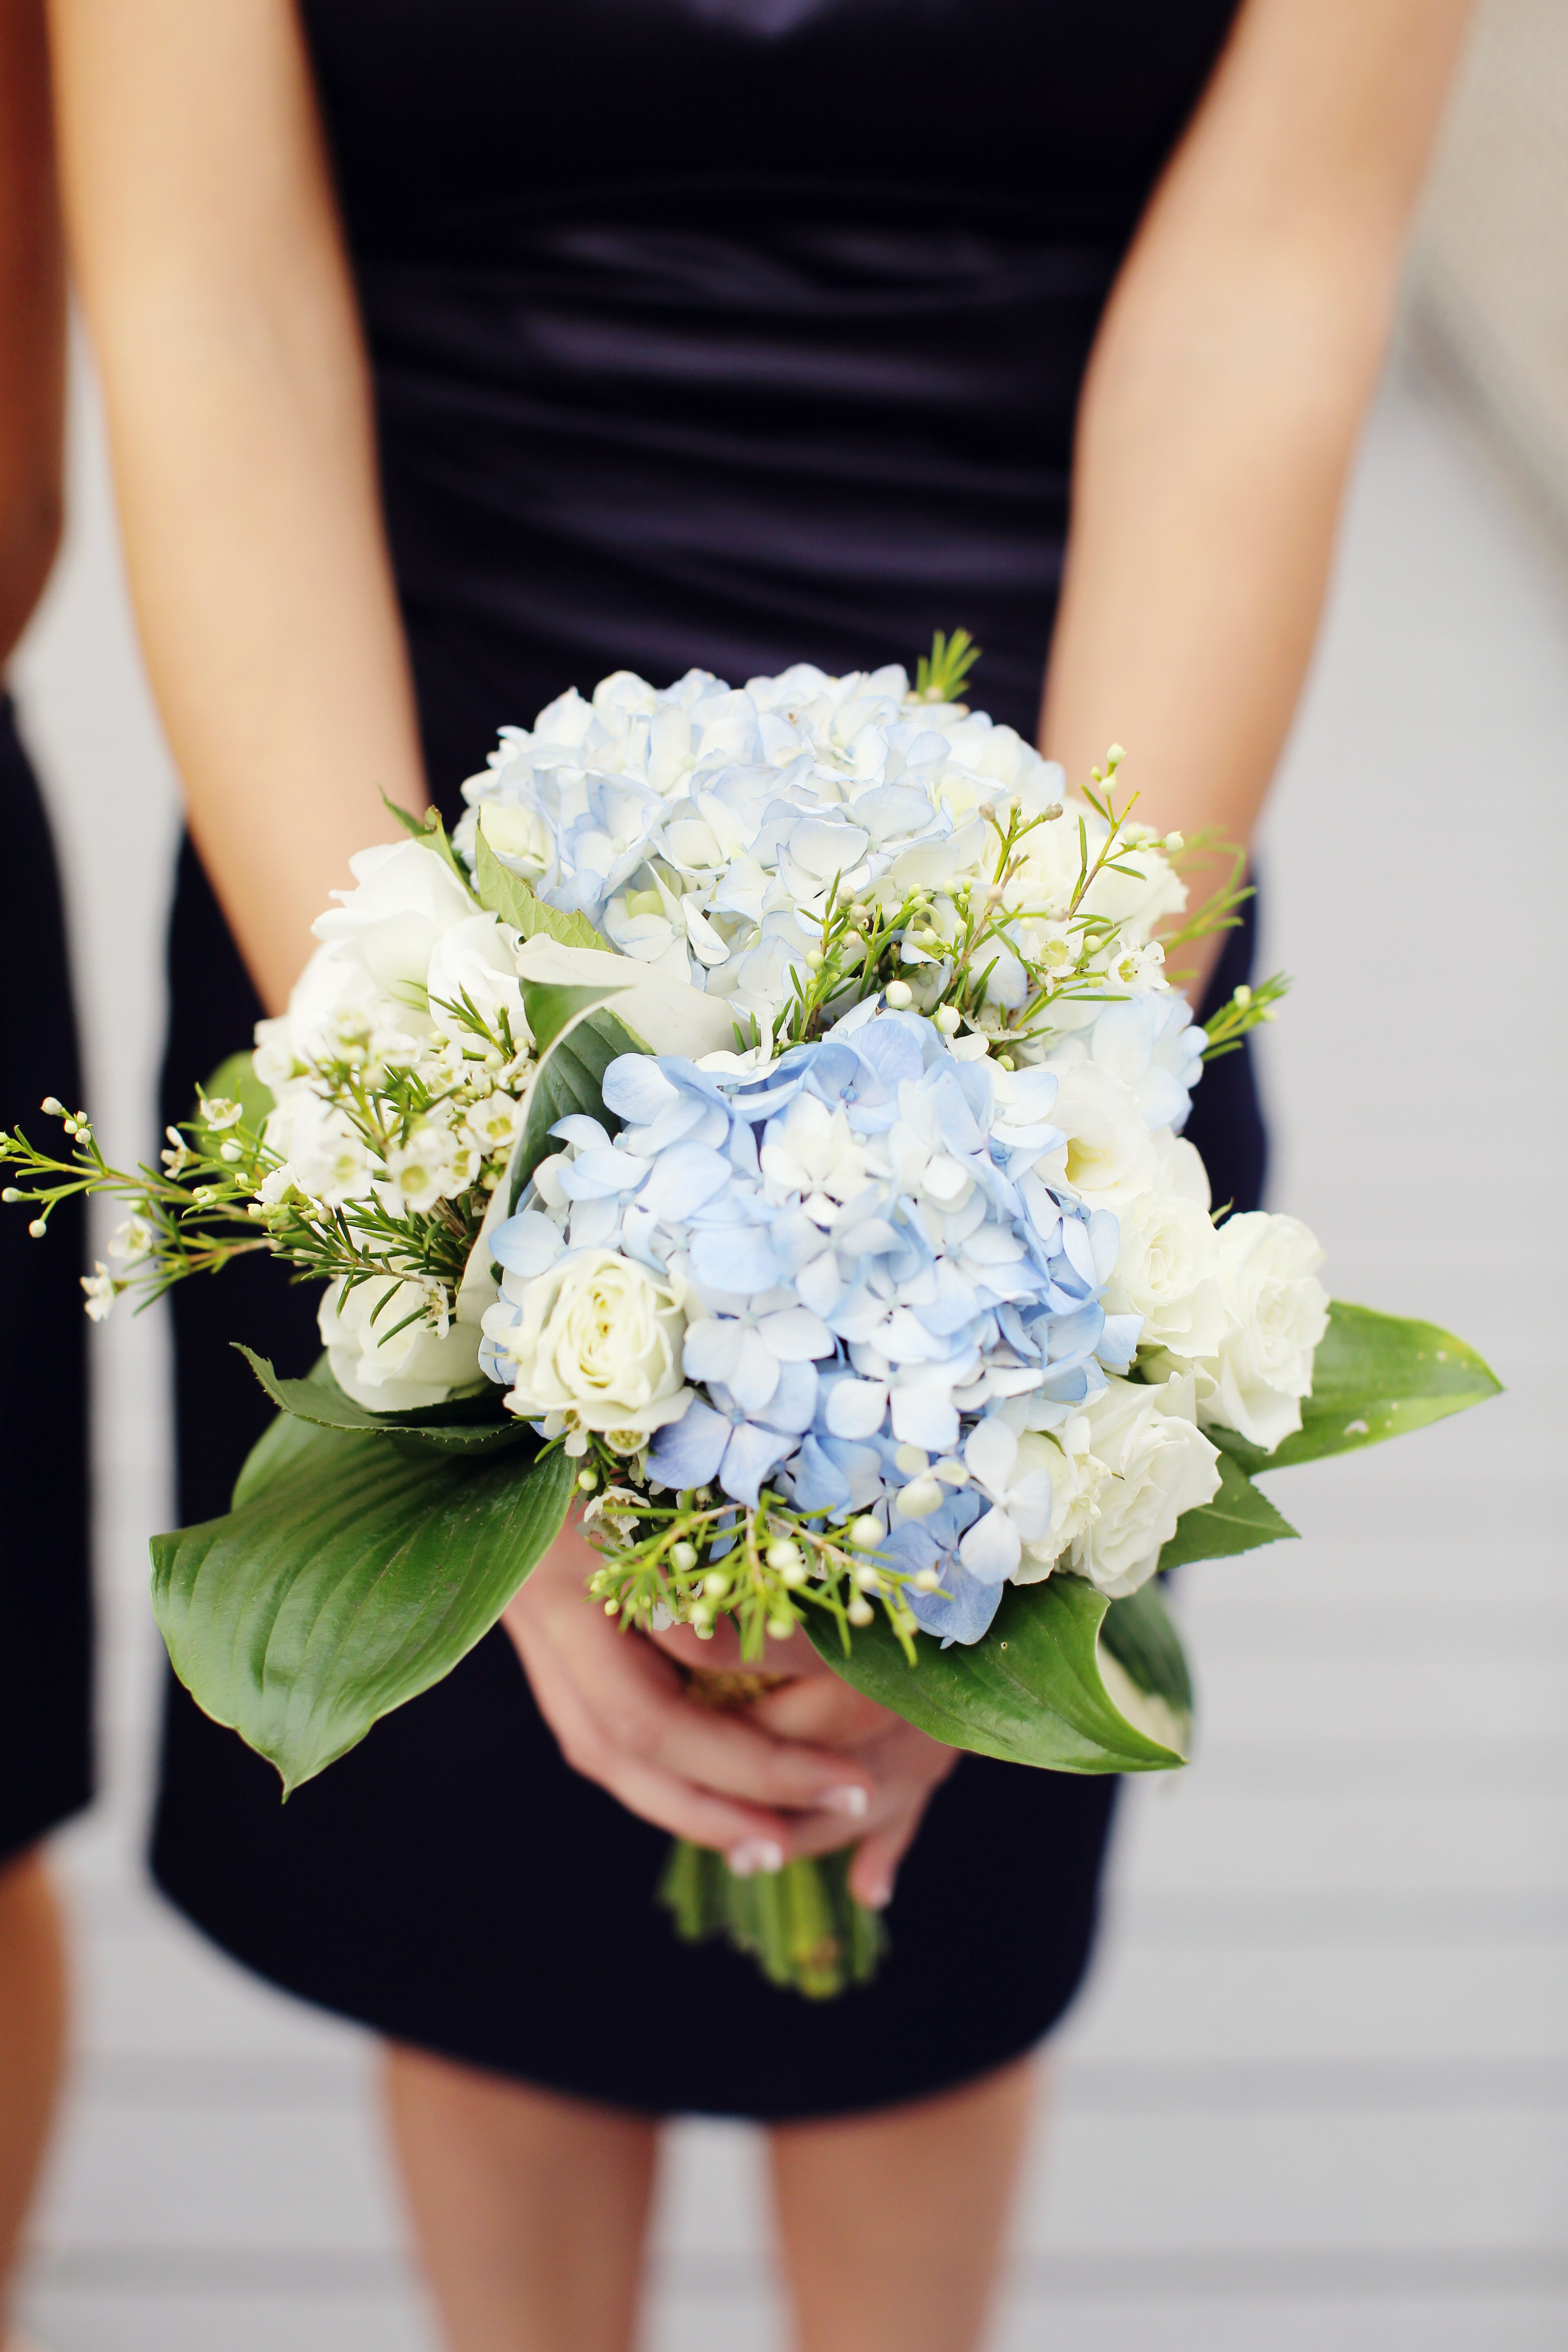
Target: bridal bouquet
[{"x": 760, "y": 1128}]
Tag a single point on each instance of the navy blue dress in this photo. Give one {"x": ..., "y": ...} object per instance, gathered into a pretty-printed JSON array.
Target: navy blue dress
[
  {"x": 733, "y": 332},
  {"x": 46, "y": 1609}
]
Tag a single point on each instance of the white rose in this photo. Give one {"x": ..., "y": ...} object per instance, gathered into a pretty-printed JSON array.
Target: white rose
[
  {"x": 1276, "y": 1313},
  {"x": 477, "y": 959},
  {"x": 599, "y": 1342},
  {"x": 1077, "y": 1476},
  {"x": 1109, "y": 1156},
  {"x": 391, "y": 1371},
  {"x": 407, "y": 897},
  {"x": 1167, "y": 1269},
  {"x": 1159, "y": 1464}
]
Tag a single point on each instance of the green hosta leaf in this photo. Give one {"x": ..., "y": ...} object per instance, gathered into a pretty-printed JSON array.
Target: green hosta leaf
[
  {"x": 506, "y": 894},
  {"x": 1239, "y": 1518},
  {"x": 578, "y": 1040},
  {"x": 475, "y": 1421},
  {"x": 1144, "y": 1667},
  {"x": 1140, "y": 1635},
  {"x": 234, "y": 1078},
  {"x": 352, "y": 1577},
  {"x": 1375, "y": 1376},
  {"x": 1030, "y": 1692}
]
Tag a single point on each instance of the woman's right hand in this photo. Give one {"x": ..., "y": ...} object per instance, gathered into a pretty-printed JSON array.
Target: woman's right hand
[{"x": 617, "y": 1704}]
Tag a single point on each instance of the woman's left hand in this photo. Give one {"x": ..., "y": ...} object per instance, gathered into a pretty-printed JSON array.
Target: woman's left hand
[{"x": 904, "y": 1764}]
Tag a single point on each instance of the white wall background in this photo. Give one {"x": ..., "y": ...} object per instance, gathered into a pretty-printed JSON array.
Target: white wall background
[{"x": 1318, "y": 2090}]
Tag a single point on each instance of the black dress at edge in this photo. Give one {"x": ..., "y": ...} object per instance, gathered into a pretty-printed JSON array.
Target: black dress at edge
[
  {"x": 46, "y": 1610},
  {"x": 726, "y": 332}
]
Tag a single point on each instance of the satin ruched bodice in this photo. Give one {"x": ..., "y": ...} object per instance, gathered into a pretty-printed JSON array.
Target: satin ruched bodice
[{"x": 735, "y": 332}]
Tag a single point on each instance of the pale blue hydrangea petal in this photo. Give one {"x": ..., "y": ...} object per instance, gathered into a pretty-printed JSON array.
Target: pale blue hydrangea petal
[
  {"x": 527, "y": 1244},
  {"x": 855, "y": 1408},
  {"x": 578, "y": 1129},
  {"x": 1119, "y": 1341},
  {"x": 961, "y": 1611},
  {"x": 687, "y": 1452},
  {"x": 636, "y": 1089},
  {"x": 752, "y": 1452},
  {"x": 735, "y": 1258},
  {"x": 683, "y": 1178},
  {"x": 603, "y": 1175},
  {"x": 794, "y": 1335},
  {"x": 991, "y": 1550}
]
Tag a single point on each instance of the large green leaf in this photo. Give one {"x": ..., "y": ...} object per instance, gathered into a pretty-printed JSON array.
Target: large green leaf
[
  {"x": 473, "y": 1422},
  {"x": 351, "y": 1578},
  {"x": 1239, "y": 1518},
  {"x": 578, "y": 1041},
  {"x": 1142, "y": 1636},
  {"x": 501, "y": 892},
  {"x": 1374, "y": 1377},
  {"x": 1030, "y": 1692}
]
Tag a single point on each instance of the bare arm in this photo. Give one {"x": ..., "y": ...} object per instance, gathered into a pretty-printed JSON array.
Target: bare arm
[
  {"x": 204, "y": 235},
  {"x": 1235, "y": 363},
  {"x": 32, "y": 321}
]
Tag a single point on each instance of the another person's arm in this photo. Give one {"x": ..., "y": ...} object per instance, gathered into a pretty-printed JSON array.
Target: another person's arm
[
  {"x": 1232, "y": 371},
  {"x": 207, "y": 250},
  {"x": 32, "y": 322}
]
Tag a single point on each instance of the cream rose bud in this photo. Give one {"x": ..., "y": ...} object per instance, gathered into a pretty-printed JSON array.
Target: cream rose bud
[
  {"x": 1159, "y": 1464},
  {"x": 387, "y": 1370},
  {"x": 1077, "y": 1477},
  {"x": 1276, "y": 1312},
  {"x": 406, "y": 899},
  {"x": 1167, "y": 1269},
  {"x": 599, "y": 1341}
]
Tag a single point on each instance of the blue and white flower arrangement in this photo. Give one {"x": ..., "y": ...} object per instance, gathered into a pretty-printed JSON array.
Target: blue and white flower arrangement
[{"x": 759, "y": 1129}]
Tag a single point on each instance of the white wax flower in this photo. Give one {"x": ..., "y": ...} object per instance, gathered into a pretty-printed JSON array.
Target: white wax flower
[
  {"x": 325, "y": 1157},
  {"x": 391, "y": 1371},
  {"x": 1159, "y": 1464},
  {"x": 1276, "y": 1313},
  {"x": 599, "y": 1343}
]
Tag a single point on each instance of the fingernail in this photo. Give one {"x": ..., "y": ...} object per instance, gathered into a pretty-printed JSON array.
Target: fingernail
[
  {"x": 850, "y": 1800},
  {"x": 754, "y": 1854},
  {"x": 877, "y": 1897}
]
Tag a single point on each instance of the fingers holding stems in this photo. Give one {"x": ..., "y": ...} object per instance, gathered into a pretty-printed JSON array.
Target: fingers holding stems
[{"x": 802, "y": 1767}]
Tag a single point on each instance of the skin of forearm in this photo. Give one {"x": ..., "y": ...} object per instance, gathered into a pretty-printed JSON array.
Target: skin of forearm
[
  {"x": 210, "y": 260},
  {"x": 267, "y": 617},
  {"x": 1223, "y": 403},
  {"x": 1211, "y": 463},
  {"x": 32, "y": 322}
]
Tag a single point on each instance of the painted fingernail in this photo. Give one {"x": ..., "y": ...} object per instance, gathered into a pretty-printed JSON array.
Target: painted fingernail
[
  {"x": 877, "y": 1897},
  {"x": 850, "y": 1799},
  {"x": 752, "y": 1854}
]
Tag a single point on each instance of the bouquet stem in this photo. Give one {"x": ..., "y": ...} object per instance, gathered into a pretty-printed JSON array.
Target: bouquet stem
[{"x": 801, "y": 1923}]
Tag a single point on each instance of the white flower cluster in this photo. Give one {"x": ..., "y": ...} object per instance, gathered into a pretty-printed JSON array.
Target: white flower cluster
[
  {"x": 394, "y": 1091},
  {"x": 703, "y": 830}
]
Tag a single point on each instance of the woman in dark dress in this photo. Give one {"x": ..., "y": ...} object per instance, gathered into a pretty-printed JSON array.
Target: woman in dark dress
[
  {"x": 46, "y": 1665},
  {"x": 729, "y": 332}
]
